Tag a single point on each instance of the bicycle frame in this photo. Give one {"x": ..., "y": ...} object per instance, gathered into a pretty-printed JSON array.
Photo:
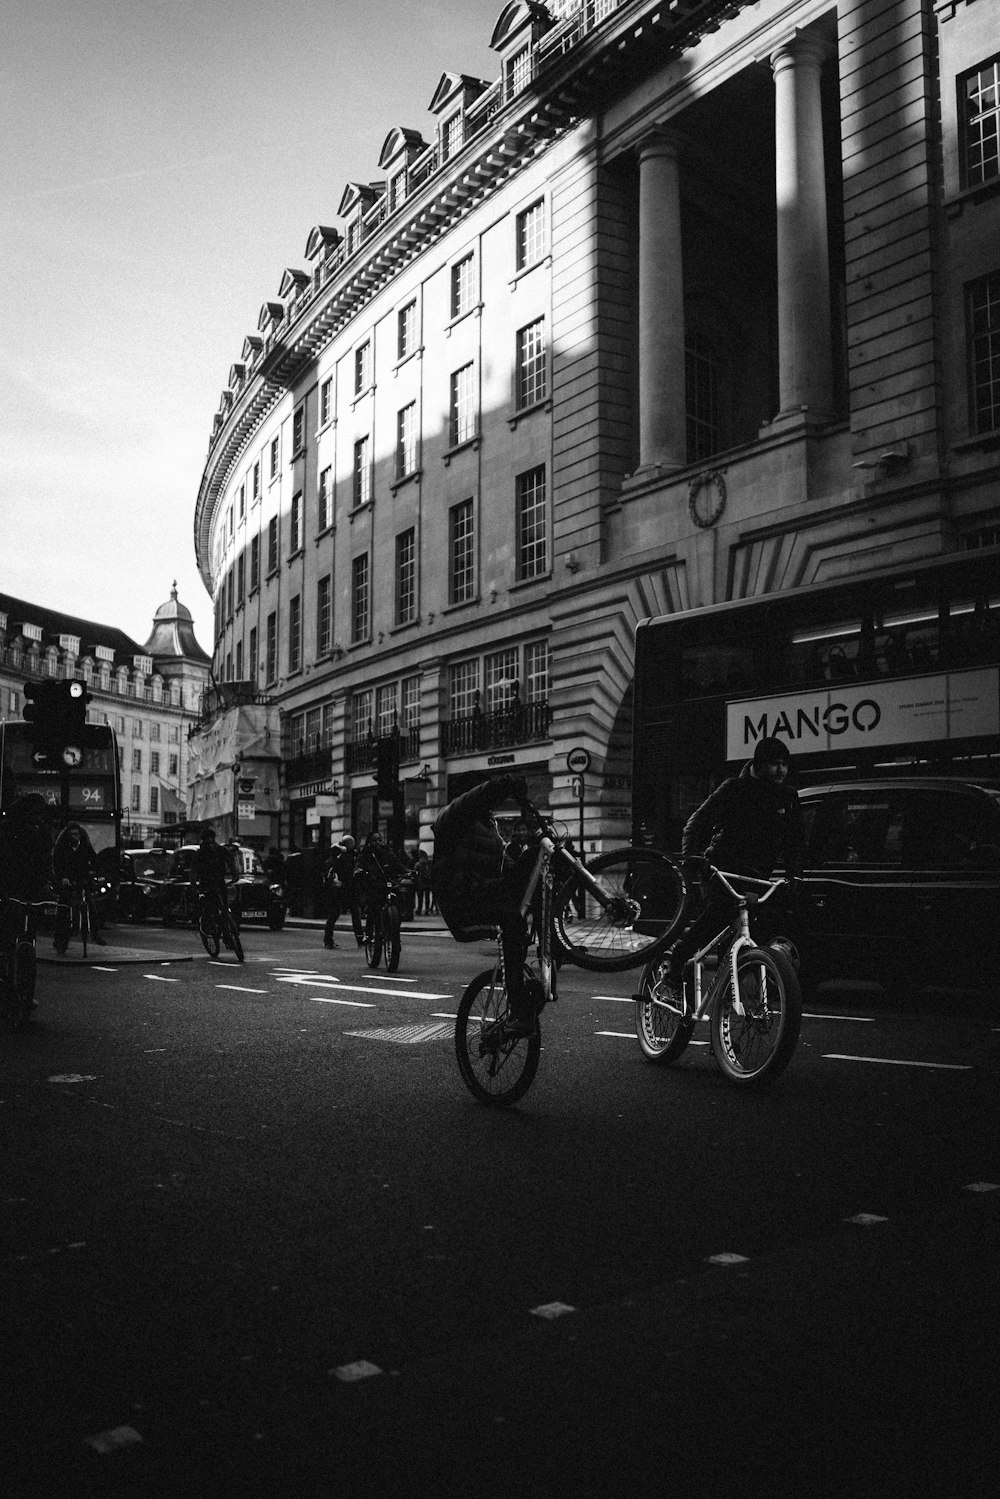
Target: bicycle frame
[{"x": 737, "y": 930}]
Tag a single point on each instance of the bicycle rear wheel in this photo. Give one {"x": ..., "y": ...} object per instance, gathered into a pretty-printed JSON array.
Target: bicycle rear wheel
[
  {"x": 373, "y": 937},
  {"x": 753, "y": 1048},
  {"x": 662, "y": 1028},
  {"x": 497, "y": 1069},
  {"x": 392, "y": 941},
  {"x": 634, "y": 918}
]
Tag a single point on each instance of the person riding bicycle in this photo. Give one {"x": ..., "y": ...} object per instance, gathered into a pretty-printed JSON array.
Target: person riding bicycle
[
  {"x": 478, "y": 886},
  {"x": 74, "y": 867},
  {"x": 209, "y": 873},
  {"x": 747, "y": 824}
]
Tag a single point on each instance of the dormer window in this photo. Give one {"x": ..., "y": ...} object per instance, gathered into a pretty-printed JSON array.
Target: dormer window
[
  {"x": 397, "y": 190},
  {"x": 31, "y": 632},
  {"x": 104, "y": 653},
  {"x": 518, "y": 72},
  {"x": 70, "y": 644},
  {"x": 452, "y": 135},
  {"x": 143, "y": 664}
]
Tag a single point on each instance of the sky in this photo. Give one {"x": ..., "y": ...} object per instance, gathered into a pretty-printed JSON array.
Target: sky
[{"x": 161, "y": 163}]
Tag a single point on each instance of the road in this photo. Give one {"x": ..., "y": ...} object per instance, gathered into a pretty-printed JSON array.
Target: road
[{"x": 259, "y": 1239}]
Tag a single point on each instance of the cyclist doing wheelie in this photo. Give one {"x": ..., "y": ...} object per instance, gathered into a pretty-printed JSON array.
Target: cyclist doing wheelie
[
  {"x": 478, "y": 884},
  {"x": 745, "y": 827},
  {"x": 74, "y": 869}
]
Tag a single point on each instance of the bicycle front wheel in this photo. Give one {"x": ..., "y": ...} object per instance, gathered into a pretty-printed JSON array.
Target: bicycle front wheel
[
  {"x": 23, "y": 987},
  {"x": 209, "y": 932},
  {"x": 661, "y": 1026},
  {"x": 752, "y": 1048},
  {"x": 497, "y": 1069},
  {"x": 373, "y": 938},
  {"x": 628, "y": 919},
  {"x": 234, "y": 937},
  {"x": 392, "y": 940}
]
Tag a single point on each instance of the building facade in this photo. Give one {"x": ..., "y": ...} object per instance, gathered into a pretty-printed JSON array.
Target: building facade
[
  {"x": 150, "y": 695},
  {"x": 693, "y": 302}
]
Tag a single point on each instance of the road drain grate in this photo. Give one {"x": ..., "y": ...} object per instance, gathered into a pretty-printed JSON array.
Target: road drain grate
[{"x": 407, "y": 1035}]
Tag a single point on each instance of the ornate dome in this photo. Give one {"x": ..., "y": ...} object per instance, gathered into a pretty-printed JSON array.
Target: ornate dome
[{"x": 173, "y": 632}]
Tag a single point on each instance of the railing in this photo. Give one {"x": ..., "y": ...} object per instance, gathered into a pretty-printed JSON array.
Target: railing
[
  {"x": 362, "y": 754},
  {"x": 520, "y": 723},
  {"x": 308, "y": 765},
  {"x": 215, "y": 700}
]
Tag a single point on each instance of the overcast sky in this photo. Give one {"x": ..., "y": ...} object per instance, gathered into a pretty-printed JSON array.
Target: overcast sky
[{"x": 161, "y": 163}]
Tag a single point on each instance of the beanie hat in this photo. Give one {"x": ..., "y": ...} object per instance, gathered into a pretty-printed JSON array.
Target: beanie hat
[{"x": 770, "y": 750}]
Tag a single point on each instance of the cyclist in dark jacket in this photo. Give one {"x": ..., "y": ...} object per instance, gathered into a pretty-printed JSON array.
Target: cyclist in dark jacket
[
  {"x": 210, "y": 871},
  {"x": 748, "y": 825},
  {"x": 338, "y": 878},
  {"x": 477, "y": 886},
  {"x": 74, "y": 867}
]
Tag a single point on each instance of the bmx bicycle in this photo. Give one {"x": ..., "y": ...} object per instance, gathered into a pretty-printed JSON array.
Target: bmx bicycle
[
  {"x": 217, "y": 927},
  {"x": 753, "y": 1001},
  {"x": 19, "y": 966},
  {"x": 614, "y": 913},
  {"x": 383, "y": 925}
]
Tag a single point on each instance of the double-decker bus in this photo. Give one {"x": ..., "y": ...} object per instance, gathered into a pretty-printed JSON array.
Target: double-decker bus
[
  {"x": 886, "y": 674},
  {"x": 92, "y": 795}
]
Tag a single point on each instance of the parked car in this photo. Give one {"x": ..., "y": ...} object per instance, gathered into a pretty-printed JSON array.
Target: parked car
[
  {"x": 902, "y": 884},
  {"x": 258, "y": 897},
  {"x": 178, "y": 901}
]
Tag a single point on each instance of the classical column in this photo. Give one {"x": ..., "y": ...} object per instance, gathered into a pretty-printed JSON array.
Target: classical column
[
  {"x": 804, "y": 332},
  {"x": 662, "y": 406}
]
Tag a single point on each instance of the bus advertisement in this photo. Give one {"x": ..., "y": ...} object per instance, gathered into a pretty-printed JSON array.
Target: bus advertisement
[{"x": 888, "y": 673}]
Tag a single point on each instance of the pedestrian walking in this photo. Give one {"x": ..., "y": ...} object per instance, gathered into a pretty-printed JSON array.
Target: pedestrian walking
[
  {"x": 340, "y": 886},
  {"x": 422, "y": 883}
]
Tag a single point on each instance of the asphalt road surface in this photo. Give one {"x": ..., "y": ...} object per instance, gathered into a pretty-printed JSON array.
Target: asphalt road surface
[{"x": 259, "y": 1239}]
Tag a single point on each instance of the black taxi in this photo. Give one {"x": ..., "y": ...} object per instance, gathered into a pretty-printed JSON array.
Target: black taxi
[{"x": 902, "y": 884}]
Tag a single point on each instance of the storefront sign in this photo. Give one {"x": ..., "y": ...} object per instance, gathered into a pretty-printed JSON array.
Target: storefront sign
[
  {"x": 500, "y": 760},
  {"x": 872, "y": 715}
]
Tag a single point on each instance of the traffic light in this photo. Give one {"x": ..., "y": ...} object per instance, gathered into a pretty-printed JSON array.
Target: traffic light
[
  {"x": 57, "y": 712},
  {"x": 387, "y": 767},
  {"x": 41, "y": 710}
]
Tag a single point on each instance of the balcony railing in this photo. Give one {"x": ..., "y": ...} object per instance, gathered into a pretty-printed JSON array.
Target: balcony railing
[
  {"x": 361, "y": 754},
  {"x": 223, "y": 695},
  {"x": 308, "y": 765},
  {"x": 519, "y": 723}
]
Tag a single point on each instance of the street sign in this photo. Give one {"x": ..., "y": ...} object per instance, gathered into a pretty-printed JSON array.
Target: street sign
[
  {"x": 578, "y": 787},
  {"x": 578, "y": 760},
  {"x": 247, "y": 811}
]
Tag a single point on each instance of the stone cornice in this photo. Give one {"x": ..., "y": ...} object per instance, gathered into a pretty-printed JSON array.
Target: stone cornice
[{"x": 566, "y": 84}]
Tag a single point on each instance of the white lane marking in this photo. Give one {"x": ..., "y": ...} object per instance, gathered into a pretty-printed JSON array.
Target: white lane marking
[
  {"x": 313, "y": 982},
  {"x": 855, "y": 1019},
  {"x": 630, "y": 1036},
  {"x": 866, "y": 1219},
  {"x": 983, "y": 1187},
  {"x": 113, "y": 1440},
  {"x": 355, "y": 1004},
  {"x": 616, "y": 999},
  {"x": 240, "y": 989},
  {"x": 160, "y": 978},
  {"x": 838, "y": 1056},
  {"x": 550, "y": 1309},
  {"x": 360, "y": 1369},
  {"x": 440, "y": 1015},
  {"x": 727, "y": 1258},
  {"x": 98, "y": 968}
]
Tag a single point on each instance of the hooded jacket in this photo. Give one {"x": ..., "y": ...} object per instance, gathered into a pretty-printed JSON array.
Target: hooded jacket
[
  {"x": 468, "y": 849},
  {"x": 748, "y": 825}
]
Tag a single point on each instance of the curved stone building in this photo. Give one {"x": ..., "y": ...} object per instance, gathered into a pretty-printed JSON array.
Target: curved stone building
[{"x": 695, "y": 300}]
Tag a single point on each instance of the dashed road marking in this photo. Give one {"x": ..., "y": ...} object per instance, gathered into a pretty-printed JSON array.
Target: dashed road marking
[
  {"x": 354, "y": 1004},
  {"x": 160, "y": 978},
  {"x": 551, "y": 1309},
  {"x": 406, "y": 1035},
  {"x": 360, "y": 1369},
  {"x": 240, "y": 989},
  {"x": 854, "y": 1019},
  {"x": 839, "y": 1056}
]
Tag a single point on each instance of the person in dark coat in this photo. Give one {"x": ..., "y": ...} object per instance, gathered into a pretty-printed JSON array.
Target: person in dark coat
[
  {"x": 477, "y": 886},
  {"x": 338, "y": 879},
  {"x": 74, "y": 867},
  {"x": 25, "y": 859},
  {"x": 747, "y": 826},
  {"x": 210, "y": 871}
]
